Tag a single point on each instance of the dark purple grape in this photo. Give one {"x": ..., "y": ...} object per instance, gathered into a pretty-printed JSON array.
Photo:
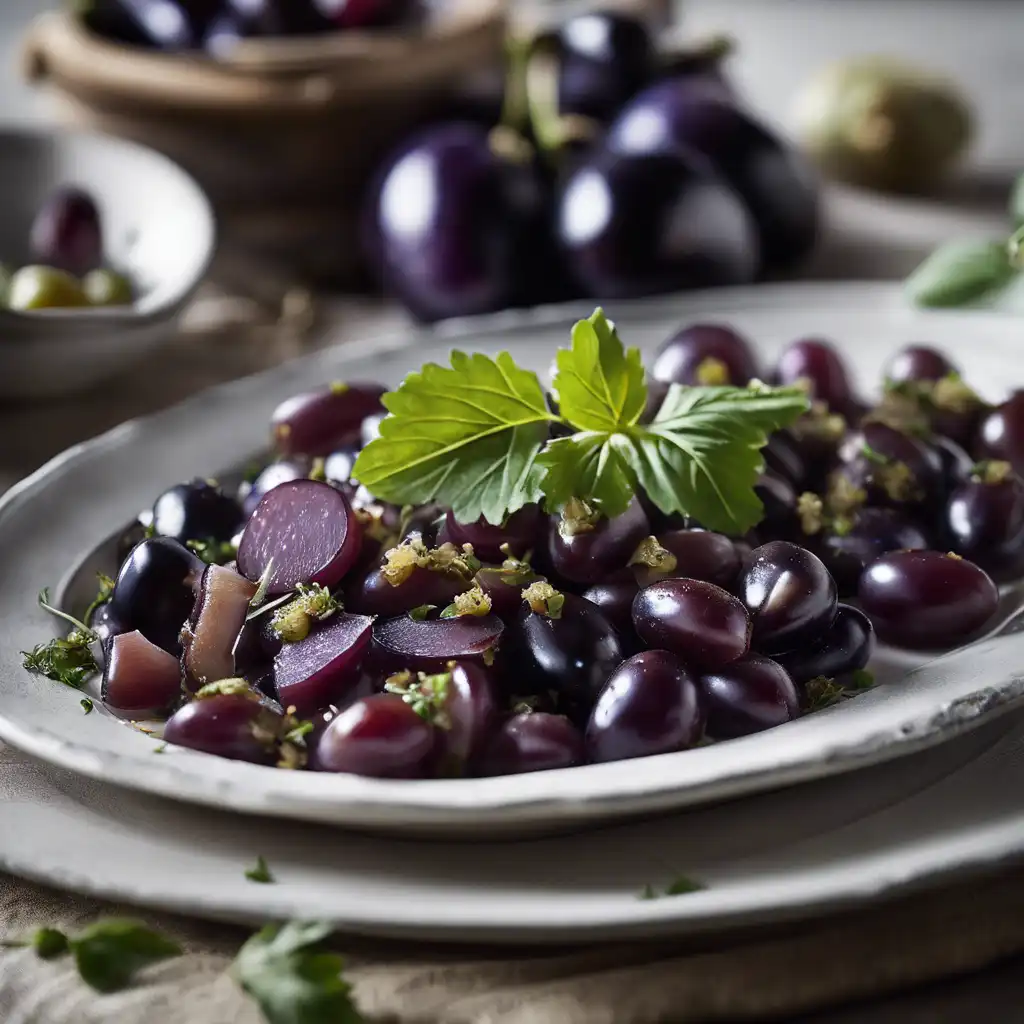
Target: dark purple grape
[
  {"x": 926, "y": 599},
  {"x": 569, "y": 651},
  {"x": 699, "y": 555},
  {"x": 321, "y": 422},
  {"x": 304, "y": 532},
  {"x": 956, "y": 463},
  {"x": 918, "y": 363},
  {"x": 533, "y": 742},
  {"x": 457, "y": 229},
  {"x": 67, "y": 234},
  {"x": 748, "y": 696},
  {"x": 155, "y": 591},
  {"x": 701, "y": 623},
  {"x": 615, "y": 599},
  {"x": 584, "y": 550},
  {"x": 873, "y": 532},
  {"x": 375, "y": 595},
  {"x": 705, "y": 354},
  {"x": 790, "y": 595},
  {"x": 104, "y": 623},
  {"x": 985, "y": 519},
  {"x": 779, "y": 519},
  {"x": 504, "y": 586},
  {"x": 783, "y": 457},
  {"x": 817, "y": 362},
  {"x": 208, "y": 639},
  {"x": 280, "y": 472},
  {"x": 890, "y": 467},
  {"x": 1001, "y": 433},
  {"x": 254, "y": 651},
  {"x": 232, "y": 725},
  {"x": 427, "y": 645},
  {"x": 773, "y": 180},
  {"x": 198, "y": 510},
  {"x": 139, "y": 677},
  {"x": 320, "y": 669},
  {"x": 468, "y": 716},
  {"x": 380, "y": 736},
  {"x": 847, "y": 645},
  {"x": 650, "y": 705},
  {"x": 651, "y": 223},
  {"x": 519, "y": 533}
]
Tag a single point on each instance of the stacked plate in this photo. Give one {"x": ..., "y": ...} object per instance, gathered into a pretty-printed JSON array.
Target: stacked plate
[{"x": 905, "y": 785}]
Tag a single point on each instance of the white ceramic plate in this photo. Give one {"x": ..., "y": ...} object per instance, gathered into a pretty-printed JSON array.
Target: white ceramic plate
[
  {"x": 948, "y": 812},
  {"x": 80, "y": 498}
]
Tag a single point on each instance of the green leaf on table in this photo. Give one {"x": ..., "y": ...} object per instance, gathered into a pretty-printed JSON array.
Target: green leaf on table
[
  {"x": 466, "y": 436},
  {"x": 592, "y": 465},
  {"x": 600, "y": 384},
  {"x": 259, "y": 872},
  {"x": 109, "y": 952},
  {"x": 292, "y": 980},
  {"x": 961, "y": 272}
]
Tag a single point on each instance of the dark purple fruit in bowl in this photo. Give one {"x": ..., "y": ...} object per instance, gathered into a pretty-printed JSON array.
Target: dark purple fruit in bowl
[
  {"x": 321, "y": 422},
  {"x": 237, "y": 726},
  {"x": 199, "y": 510},
  {"x": 615, "y": 599},
  {"x": 985, "y": 519},
  {"x": 67, "y": 234},
  {"x": 750, "y": 695},
  {"x": 377, "y": 595},
  {"x": 790, "y": 596},
  {"x": 534, "y": 741},
  {"x": 701, "y": 623},
  {"x": 280, "y": 472},
  {"x": 218, "y": 616},
  {"x": 1001, "y": 433},
  {"x": 891, "y": 467},
  {"x": 918, "y": 363},
  {"x": 649, "y": 705},
  {"x": 696, "y": 554},
  {"x": 427, "y": 645},
  {"x": 705, "y": 354},
  {"x": 457, "y": 229},
  {"x": 779, "y": 499},
  {"x": 504, "y": 586},
  {"x": 847, "y": 645},
  {"x": 585, "y": 548},
  {"x": 783, "y": 457},
  {"x": 926, "y": 599},
  {"x": 816, "y": 362},
  {"x": 648, "y": 223},
  {"x": 301, "y": 532},
  {"x": 519, "y": 533},
  {"x": 773, "y": 180}
]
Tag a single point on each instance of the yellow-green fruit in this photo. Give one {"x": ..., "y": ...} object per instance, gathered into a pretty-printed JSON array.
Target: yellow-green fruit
[
  {"x": 44, "y": 288},
  {"x": 105, "y": 288},
  {"x": 883, "y": 124}
]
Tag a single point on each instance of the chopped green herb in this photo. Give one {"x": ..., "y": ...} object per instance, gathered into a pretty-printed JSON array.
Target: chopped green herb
[
  {"x": 862, "y": 679},
  {"x": 68, "y": 660},
  {"x": 425, "y": 694},
  {"x": 471, "y": 602},
  {"x": 421, "y": 612},
  {"x": 299, "y": 733},
  {"x": 682, "y": 885},
  {"x": 213, "y": 552},
  {"x": 226, "y": 687},
  {"x": 87, "y": 705},
  {"x": 544, "y": 599},
  {"x": 160, "y": 749},
  {"x": 314, "y": 603},
  {"x": 103, "y": 595},
  {"x": 260, "y": 873},
  {"x": 263, "y": 586},
  {"x": 50, "y": 943}
]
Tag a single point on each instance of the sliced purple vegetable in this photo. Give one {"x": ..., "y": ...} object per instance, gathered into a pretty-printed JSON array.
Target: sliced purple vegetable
[
  {"x": 139, "y": 677},
  {"x": 232, "y": 725},
  {"x": 428, "y": 645},
  {"x": 218, "y": 617},
  {"x": 320, "y": 422}
]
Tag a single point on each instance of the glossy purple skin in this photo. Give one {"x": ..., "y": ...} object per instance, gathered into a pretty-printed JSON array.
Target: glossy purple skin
[
  {"x": 321, "y": 669},
  {"x": 678, "y": 359},
  {"x": 790, "y": 595},
  {"x": 818, "y": 362},
  {"x": 918, "y": 363},
  {"x": 223, "y": 726},
  {"x": 615, "y": 599},
  {"x": 783, "y": 457},
  {"x": 701, "y": 623},
  {"x": 847, "y": 645},
  {"x": 506, "y": 595},
  {"x": 652, "y": 223},
  {"x": 985, "y": 523},
  {"x": 105, "y": 623},
  {"x": 875, "y": 531},
  {"x": 321, "y": 422},
  {"x": 700, "y": 555},
  {"x": 428, "y": 645},
  {"x": 748, "y": 696},
  {"x": 956, "y": 463},
  {"x": 155, "y": 591},
  {"x": 773, "y": 180},
  {"x": 456, "y": 229},
  {"x": 650, "y": 705},
  {"x": 520, "y": 533},
  {"x": 590, "y": 556},
  {"x": 375, "y": 596},
  {"x": 779, "y": 499},
  {"x": 926, "y": 599},
  {"x": 533, "y": 742},
  {"x": 379, "y": 736},
  {"x": 309, "y": 530},
  {"x": 863, "y": 449},
  {"x": 1001, "y": 433},
  {"x": 472, "y": 710},
  {"x": 254, "y": 651},
  {"x": 570, "y": 656},
  {"x": 67, "y": 233},
  {"x": 196, "y": 511}
]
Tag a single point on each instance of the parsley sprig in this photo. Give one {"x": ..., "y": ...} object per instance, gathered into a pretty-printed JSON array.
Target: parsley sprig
[
  {"x": 68, "y": 659},
  {"x": 476, "y": 437}
]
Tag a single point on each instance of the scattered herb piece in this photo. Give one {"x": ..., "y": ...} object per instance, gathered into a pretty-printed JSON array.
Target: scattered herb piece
[
  {"x": 103, "y": 595},
  {"x": 470, "y": 602},
  {"x": 87, "y": 705},
  {"x": 862, "y": 679},
  {"x": 425, "y": 694},
  {"x": 68, "y": 660},
  {"x": 682, "y": 885},
  {"x": 648, "y": 893},
  {"x": 263, "y": 586},
  {"x": 235, "y": 686},
  {"x": 260, "y": 873},
  {"x": 421, "y": 612},
  {"x": 544, "y": 599},
  {"x": 161, "y": 748},
  {"x": 213, "y": 552},
  {"x": 314, "y": 603},
  {"x": 284, "y": 969}
]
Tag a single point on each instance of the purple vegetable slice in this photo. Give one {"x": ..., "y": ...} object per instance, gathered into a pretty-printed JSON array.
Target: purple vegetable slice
[
  {"x": 139, "y": 677},
  {"x": 428, "y": 645}
]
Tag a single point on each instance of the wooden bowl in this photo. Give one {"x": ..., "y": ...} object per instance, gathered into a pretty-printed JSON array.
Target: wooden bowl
[{"x": 285, "y": 135}]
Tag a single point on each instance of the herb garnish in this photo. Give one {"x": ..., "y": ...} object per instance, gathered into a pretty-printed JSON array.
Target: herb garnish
[
  {"x": 68, "y": 660},
  {"x": 260, "y": 873},
  {"x": 425, "y": 694},
  {"x": 475, "y": 437},
  {"x": 313, "y": 603},
  {"x": 292, "y": 979},
  {"x": 87, "y": 705},
  {"x": 823, "y": 691},
  {"x": 681, "y": 885},
  {"x": 213, "y": 552},
  {"x": 103, "y": 595},
  {"x": 107, "y": 953}
]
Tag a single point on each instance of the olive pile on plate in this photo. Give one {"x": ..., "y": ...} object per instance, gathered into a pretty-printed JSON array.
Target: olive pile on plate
[
  {"x": 67, "y": 268},
  {"x": 298, "y": 621}
]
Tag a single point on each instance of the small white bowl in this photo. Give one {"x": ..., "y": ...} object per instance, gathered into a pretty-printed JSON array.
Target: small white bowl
[{"x": 158, "y": 227}]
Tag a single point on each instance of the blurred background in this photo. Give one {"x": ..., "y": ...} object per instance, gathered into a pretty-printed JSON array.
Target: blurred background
[{"x": 378, "y": 164}]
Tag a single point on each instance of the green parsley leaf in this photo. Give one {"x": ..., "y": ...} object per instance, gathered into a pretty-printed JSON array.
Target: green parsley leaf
[
  {"x": 87, "y": 705},
  {"x": 103, "y": 594},
  {"x": 50, "y": 943},
  {"x": 465, "y": 436},
  {"x": 260, "y": 873},
  {"x": 68, "y": 660},
  {"x": 161, "y": 748},
  {"x": 600, "y": 385},
  {"x": 108, "y": 953},
  {"x": 592, "y": 465},
  {"x": 213, "y": 552},
  {"x": 293, "y": 982}
]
